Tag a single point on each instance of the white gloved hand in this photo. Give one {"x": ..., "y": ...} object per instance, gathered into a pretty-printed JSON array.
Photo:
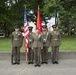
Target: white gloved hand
[
  {"x": 41, "y": 47},
  {"x": 32, "y": 48}
]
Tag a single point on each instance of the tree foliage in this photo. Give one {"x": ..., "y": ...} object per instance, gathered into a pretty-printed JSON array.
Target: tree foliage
[
  {"x": 66, "y": 10},
  {"x": 11, "y": 12}
]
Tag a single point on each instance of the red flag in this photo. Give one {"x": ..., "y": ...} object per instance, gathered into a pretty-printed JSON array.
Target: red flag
[
  {"x": 39, "y": 22},
  {"x": 26, "y": 32}
]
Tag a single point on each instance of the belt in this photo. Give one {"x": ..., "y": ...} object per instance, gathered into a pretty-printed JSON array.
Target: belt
[
  {"x": 55, "y": 39},
  {"x": 16, "y": 39}
]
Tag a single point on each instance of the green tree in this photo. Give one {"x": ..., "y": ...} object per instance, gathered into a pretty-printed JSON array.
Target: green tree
[
  {"x": 66, "y": 10},
  {"x": 69, "y": 15},
  {"x": 4, "y": 19},
  {"x": 11, "y": 12}
]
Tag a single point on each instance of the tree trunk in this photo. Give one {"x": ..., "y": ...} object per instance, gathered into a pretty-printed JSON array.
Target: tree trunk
[
  {"x": 5, "y": 30},
  {"x": 69, "y": 28}
]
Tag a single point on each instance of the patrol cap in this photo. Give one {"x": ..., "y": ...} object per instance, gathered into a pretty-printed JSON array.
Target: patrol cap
[
  {"x": 30, "y": 27},
  {"x": 53, "y": 26}
]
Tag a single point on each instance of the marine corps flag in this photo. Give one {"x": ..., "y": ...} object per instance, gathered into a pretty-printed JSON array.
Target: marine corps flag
[{"x": 39, "y": 22}]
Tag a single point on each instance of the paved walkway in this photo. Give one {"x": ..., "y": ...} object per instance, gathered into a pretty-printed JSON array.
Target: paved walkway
[{"x": 65, "y": 67}]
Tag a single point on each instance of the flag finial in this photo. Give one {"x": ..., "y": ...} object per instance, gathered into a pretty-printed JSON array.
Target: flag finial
[{"x": 38, "y": 6}]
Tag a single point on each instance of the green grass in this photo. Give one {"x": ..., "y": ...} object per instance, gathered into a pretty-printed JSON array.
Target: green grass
[
  {"x": 5, "y": 45},
  {"x": 67, "y": 43}
]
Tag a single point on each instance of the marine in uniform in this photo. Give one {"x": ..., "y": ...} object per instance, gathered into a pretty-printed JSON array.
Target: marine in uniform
[
  {"x": 45, "y": 40},
  {"x": 30, "y": 41},
  {"x": 16, "y": 44},
  {"x": 55, "y": 43},
  {"x": 37, "y": 45}
]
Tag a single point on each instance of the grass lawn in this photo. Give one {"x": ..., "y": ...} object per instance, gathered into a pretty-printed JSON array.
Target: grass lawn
[
  {"x": 67, "y": 43},
  {"x": 5, "y": 45}
]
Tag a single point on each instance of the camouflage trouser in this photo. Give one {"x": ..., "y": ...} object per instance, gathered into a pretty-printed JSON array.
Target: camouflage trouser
[
  {"x": 37, "y": 55},
  {"x": 16, "y": 54},
  {"x": 30, "y": 55},
  {"x": 55, "y": 53},
  {"x": 44, "y": 54}
]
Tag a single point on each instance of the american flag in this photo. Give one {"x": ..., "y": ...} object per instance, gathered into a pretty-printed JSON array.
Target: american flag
[{"x": 26, "y": 32}]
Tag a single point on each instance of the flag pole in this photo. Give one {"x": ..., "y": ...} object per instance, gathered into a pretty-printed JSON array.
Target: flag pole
[
  {"x": 25, "y": 40},
  {"x": 26, "y": 59},
  {"x": 26, "y": 53}
]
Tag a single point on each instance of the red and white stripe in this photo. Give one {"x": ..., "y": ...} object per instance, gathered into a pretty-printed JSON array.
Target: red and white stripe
[{"x": 26, "y": 33}]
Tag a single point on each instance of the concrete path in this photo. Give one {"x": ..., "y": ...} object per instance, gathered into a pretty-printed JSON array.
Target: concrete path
[{"x": 65, "y": 67}]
